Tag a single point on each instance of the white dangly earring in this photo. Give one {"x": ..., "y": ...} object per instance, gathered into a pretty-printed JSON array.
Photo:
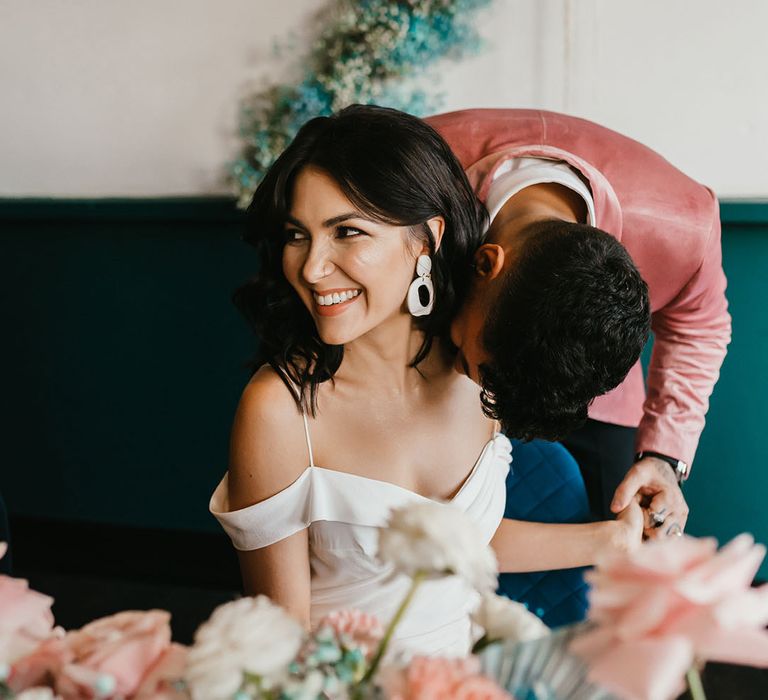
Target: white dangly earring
[{"x": 421, "y": 293}]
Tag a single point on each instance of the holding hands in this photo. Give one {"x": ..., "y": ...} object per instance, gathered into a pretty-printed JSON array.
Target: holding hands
[{"x": 664, "y": 509}]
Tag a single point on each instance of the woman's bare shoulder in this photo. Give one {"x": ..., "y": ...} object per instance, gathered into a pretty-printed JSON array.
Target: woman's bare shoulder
[{"x": 268, "y": 450}]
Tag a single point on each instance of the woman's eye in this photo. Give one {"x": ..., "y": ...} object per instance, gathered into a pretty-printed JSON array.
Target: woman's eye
[
  {"x": 293, "y": 235},
  {"x": 348, "y": 232}
]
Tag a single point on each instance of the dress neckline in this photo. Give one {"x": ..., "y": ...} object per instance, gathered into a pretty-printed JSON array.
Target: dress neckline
[{"x": 470, "y": 476}]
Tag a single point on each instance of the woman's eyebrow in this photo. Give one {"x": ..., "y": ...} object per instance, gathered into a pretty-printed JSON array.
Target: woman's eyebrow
[
  {"x": 295, "y": 222},
  {"x": 343, "y": 217},
  {"x": 328, "y": 223}
]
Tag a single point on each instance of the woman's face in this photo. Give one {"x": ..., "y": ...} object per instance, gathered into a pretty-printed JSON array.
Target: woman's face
[{"x": 352, "y": 273}]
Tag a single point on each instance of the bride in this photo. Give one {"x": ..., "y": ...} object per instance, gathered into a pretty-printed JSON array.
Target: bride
[{"x": 366, "y": 227}]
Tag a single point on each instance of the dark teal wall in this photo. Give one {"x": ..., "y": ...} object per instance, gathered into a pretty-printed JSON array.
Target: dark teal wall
[
  {"x": 728, "y": 489},
  {"x": 123, "y": 357},
  {"x": 123, "y": 361}
]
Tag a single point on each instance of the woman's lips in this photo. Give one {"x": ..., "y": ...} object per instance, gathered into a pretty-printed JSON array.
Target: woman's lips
[{"x": 334, "y": 308}]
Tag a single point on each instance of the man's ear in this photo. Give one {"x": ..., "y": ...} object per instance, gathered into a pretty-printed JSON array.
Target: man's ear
[
  {"x": 437, "y": 227},
  {"x": 489, "y": 261}
]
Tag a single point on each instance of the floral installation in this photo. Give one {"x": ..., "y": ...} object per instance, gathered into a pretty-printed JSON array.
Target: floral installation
[
  {"x": 361, "y": 56},
  {"x": 657, "y": 613}
]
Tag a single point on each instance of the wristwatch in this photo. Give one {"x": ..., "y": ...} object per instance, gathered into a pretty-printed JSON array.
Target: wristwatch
[{"x": 680, "y": 468}]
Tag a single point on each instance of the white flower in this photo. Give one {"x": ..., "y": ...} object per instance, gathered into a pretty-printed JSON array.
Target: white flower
[
  {"x": 502, "y": 618},
  {"x": 249, "y": 634},
  {"x": 37, "y": 694},
  {"x": 437, "y": 539}
]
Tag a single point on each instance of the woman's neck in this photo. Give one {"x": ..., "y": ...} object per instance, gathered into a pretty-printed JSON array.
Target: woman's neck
[{"x": 381, "y": 359}]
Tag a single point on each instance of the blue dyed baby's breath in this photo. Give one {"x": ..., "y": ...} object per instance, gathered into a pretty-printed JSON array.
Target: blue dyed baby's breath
[{"x": 366, "y": 55}]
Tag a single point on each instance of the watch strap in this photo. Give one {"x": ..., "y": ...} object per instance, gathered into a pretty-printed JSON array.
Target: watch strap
[{"x": 678, "y": 466}]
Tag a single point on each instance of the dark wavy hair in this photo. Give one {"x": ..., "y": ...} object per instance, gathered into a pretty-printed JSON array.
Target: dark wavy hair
[
  {"x": 394, "y": 168},
  {"x": 571, "y": 319}
]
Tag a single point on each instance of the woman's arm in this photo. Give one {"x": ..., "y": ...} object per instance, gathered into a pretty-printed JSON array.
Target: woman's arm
[
  {"x": 267, "y": 454},
  {"x": 523, "y": 546},
  {"x": 280, "y": 571}
]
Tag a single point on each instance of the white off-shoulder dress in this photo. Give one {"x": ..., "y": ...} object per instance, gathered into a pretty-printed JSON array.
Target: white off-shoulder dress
[{"x": 343, "y": 511}]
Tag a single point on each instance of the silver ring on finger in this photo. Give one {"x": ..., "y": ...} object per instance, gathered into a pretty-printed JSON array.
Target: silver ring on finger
[
  {"x": 657, "y": 519},
  {"x": 674, "y": 530}
]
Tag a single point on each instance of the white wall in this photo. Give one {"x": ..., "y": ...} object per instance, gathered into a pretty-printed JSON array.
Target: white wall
[{"x": 140, "y": 98}]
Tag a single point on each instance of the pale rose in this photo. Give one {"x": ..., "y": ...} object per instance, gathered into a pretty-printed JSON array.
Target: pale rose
[
  {"x": 161, "y": 681},
  {"x": 438, "y": 539},
  {"x": 249, "y": 634},
  {"x": 670, "y": 603},
  {"x": 355, "y": 628},
  {"x": 111, "y": 656},
  {"x": 436, "y": 678},
  {"x": 502, "y": 618},
  {"x": 478, "y": 688},
  {"x": 25, "y": 619},
  {"x": 39, "y": 667}
]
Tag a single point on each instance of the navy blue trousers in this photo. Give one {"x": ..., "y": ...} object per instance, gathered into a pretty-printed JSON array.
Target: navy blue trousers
[{"x": 604, "y": 453}]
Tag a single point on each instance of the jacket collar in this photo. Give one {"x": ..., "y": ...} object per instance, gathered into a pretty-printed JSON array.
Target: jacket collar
[{"x": 607, "y": 208}]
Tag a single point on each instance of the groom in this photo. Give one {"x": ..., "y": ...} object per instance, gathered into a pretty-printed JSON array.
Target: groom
[{"x": 581, "y": 218}]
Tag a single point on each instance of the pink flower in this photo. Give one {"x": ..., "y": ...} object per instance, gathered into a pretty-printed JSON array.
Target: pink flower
[
  {"x": 354, "y": 626},
  {"x": 25, "y": 617},
  {"x": 160, "y": 681},
  {"x": 112, "y": 656},
  {"x": 435, "y": 678},
  {"x": 40, "y": 666},
  {"x": 478, "y": 688},
  {"x": 668, "y": 604}
]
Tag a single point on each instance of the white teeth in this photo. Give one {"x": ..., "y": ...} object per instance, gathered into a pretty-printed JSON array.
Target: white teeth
[{"x": 336, "y": 297}]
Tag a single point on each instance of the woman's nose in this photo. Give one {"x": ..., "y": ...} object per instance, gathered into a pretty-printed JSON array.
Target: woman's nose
[{"x": 319, "y": 263}]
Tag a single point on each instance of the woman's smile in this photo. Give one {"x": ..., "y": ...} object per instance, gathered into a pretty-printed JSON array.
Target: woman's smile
[{"x": 332, "y": 302}]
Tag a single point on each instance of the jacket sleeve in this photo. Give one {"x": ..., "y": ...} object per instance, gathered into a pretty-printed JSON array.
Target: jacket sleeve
[{"x": 691, "y": 333}]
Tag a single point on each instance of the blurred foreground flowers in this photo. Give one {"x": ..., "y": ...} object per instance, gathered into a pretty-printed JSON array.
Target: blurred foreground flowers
[
  {"x": 656, "y": 613},
  {"x": 670, "y": 606}
]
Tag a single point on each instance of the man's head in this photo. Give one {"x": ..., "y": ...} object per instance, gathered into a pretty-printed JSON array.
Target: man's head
[{"x": 554, "y": 319}]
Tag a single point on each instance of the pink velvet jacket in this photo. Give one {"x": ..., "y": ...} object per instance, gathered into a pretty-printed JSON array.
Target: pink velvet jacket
[{"x": 671, "y": 227}]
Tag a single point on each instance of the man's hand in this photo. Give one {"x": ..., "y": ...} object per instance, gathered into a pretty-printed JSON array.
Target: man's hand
[{"x": 663, "y": 502}]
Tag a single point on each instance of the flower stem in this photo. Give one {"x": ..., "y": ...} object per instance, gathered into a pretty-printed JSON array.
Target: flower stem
[
  {"x": 418, "y": 577},
  {"x": 694, "y": 684}
]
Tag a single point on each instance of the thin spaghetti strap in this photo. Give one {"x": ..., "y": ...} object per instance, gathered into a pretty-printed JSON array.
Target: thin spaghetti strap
[
  {"x": 496, "y": 428},
  {"x": 309, "y": 442}
]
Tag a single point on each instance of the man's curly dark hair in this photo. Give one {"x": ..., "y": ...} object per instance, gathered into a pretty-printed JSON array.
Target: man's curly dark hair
[{"x": 569, "y": 322}]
